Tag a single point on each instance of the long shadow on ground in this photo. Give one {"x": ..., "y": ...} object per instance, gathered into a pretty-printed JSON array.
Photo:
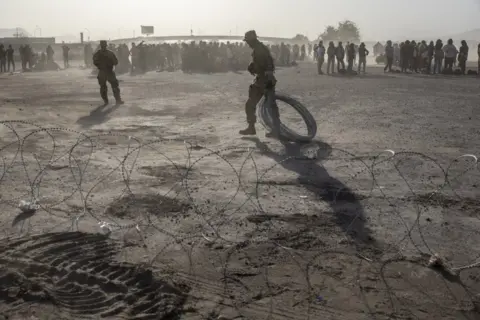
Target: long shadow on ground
[
  {"x": 345, "y": 204},
  {"x": 97, "y": 116}
]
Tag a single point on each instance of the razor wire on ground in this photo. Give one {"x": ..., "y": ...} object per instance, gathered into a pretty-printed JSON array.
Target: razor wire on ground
[{"x": 321, "y": 245}]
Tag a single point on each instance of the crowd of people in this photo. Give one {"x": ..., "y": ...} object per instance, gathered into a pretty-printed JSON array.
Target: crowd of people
[
  {"x": 213, "y": 57},
  {"x": 30, "y": 59},
  {"x": 433, "y": 58},
  {"x": 193, "y": 57},
  {"x": 408, "y": 56},
  {"x": 339, "y": 54}
]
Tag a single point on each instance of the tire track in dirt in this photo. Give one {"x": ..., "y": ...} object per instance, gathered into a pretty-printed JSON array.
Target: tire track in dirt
[{"x": 77, "y": 273}]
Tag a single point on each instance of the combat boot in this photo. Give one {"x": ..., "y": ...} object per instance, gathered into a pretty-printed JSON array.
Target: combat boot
[
  {"x": 249, "y": 131},
  {"x": 119, "y": 102}
]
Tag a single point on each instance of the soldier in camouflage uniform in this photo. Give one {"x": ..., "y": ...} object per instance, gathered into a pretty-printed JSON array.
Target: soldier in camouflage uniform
[
  {"x": 105, "y": 60},
  {"x": 263, "y": 68}
]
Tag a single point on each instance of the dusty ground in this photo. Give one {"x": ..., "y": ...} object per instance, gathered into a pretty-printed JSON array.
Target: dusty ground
[{"x": 207, "y": 225}]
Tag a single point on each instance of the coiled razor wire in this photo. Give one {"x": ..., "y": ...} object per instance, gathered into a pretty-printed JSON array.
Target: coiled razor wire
[
  {"x": 308, "y": 265},
  {"x": 264, "y": 112}
]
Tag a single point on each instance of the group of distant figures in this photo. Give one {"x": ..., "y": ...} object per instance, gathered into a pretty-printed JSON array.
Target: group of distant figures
[
  {"x": 31, "y": 60},
  {"x": 193, "y": 57},
  {"x": 214, "y": 57},
  {"x": 433, "y": 58},
  {"x": 201, "y": 57},
  {"x": 336, "y": 55}
]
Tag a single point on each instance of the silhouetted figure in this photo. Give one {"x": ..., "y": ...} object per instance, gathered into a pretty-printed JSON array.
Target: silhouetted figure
[
  {"x": 450, "y": 55},
  {"x": 438, "y": 58},
  {"x": 362, "y": 57},
  {"x": 430, "y": 55},
  {"x": 105, "y": 60},
  {"x": 478, "y": 53},
  {"x": 50, "y": 54},
  {"x": 463, "y": 56},
  {"x": 320, "y": 52},
  {"x": 3, "y": 59},
  {"x": 10, "y": 58},
  {"x": 303, "y": 52},
  {"x": 262, "y": 66},
  {"x": 331, "y": 57},
  {"x": 350, "y": 57},
  {"x": 65, "y": 51},
  {"x": 340, "y": 55},
  {"x": 389, "y": 55}
]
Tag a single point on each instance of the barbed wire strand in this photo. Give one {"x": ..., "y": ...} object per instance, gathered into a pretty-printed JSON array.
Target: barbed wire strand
[{"x": 36, "y": 170}]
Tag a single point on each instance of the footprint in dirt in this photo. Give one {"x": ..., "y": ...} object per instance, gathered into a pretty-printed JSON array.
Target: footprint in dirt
[{"x": 76, "y": 272}]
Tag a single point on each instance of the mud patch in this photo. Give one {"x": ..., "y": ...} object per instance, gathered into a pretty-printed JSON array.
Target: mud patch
[
  {"x": 75, "y": 272},
  {"x": 133, "y": 206}
]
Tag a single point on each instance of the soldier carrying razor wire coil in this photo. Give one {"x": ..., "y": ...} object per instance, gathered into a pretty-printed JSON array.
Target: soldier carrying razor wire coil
[{"x": 262, "y": 67}]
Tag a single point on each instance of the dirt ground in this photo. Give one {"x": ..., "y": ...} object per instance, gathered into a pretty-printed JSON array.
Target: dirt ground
[{"x": 158, "y": 209}]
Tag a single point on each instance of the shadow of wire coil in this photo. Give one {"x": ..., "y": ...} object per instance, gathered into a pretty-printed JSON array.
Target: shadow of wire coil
[{"x": 265, "y": 116}]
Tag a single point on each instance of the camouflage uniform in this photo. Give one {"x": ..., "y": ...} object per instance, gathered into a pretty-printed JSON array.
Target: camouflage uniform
[
  {"x": 105, "y": 60},
  {"x": 262, "y": 66}
]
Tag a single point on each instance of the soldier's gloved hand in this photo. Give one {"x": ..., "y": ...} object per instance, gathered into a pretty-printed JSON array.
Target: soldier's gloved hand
[{"x": 251, "y": 68}]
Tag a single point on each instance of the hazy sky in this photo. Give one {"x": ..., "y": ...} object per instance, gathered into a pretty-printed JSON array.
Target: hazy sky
[{"x": 377, "y": 19}]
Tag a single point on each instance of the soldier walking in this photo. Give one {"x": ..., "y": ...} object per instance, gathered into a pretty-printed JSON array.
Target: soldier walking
[
  {"x": 105, "y": 60},
  {"x": 262, "y": 67}
]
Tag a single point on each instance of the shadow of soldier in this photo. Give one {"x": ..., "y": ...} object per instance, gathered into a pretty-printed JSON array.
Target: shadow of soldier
[
  {"x": 97, "y": 116},
  {"x": 345, "y": 204}
]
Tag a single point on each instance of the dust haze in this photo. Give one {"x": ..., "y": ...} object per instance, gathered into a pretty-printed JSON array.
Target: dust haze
[{"x": 239, "y": 160}]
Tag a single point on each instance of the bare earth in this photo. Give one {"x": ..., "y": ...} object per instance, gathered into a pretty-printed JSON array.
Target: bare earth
[{"x": 208, "y": 225}]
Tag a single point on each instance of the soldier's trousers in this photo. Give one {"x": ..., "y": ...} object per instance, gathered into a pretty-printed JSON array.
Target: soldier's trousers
[
  {"x": 362, "y": 61},
  {"x": 255, "y": 94},
  {"x": 108, "y": 76},
  {"x": 331, "y": 64},
  {"x": 320, "y": 62},
  {"x": 3, "y": 65},
  {"x": 11, "y": 62}
]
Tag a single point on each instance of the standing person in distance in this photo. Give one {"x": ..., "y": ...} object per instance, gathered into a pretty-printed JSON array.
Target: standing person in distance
[
  {"x": 478, "y": 52},
  {"x": 65, "y": 50},
  {"x": 320, "y": 56},
  {"x": 262, "y": 67},
  {"x": 105, "y": 60},
  {"x": 10, "y": 60},
  {"x": 389, "y": 54},
  {"x": 362, "y": 57}
]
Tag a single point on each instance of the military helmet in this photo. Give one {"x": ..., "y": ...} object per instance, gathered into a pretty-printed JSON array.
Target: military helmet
[
  {"x": 103, "y": 42},
  {"x": 250, "y": 35}
]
